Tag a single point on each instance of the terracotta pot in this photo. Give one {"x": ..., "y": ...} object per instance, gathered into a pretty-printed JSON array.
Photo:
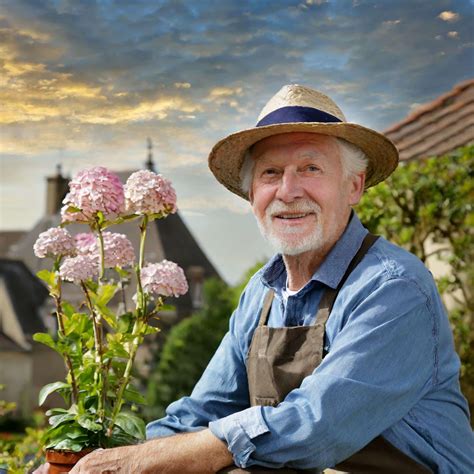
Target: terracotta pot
[{"x": 63, "y": 461}]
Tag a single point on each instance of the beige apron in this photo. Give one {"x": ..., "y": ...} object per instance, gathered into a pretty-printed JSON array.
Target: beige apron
[{"x": 280, "y": 358}]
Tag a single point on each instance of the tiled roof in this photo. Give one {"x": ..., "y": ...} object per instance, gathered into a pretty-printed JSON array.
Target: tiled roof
[{"x": 438, "y": 127}]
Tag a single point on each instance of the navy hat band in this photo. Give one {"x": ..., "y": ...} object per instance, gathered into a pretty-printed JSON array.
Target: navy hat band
[{"x": 295, "y": 114}]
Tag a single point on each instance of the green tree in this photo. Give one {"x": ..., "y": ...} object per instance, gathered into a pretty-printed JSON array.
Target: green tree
[{"x": 426, "y": 206}]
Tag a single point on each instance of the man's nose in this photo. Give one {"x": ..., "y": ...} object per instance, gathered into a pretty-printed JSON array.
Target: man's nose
[{"x": 289, "y": 187}]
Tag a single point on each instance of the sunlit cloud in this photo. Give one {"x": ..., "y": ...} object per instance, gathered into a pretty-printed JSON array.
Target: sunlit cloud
[
  {"x": 449, "y": 16},
  {"x": 453, "y": 34},
  {"x": 225, "y": 96}
]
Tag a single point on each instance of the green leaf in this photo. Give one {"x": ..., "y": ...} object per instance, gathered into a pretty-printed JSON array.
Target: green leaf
[
  {"x": 151, "y": 330},
  {"x": 56, "y": 411},
  {"x": 57, "y": 420},
  {"x": 100, "y": 218},
  {"x": 119, "y": 438},
  {"x": 67, "y": 444},
  {"x": 107, "y": 314},
  {"x": 86, "y": 422},
  {"x": 105, "y": 293},
  {"x": 131, "y": 394},
  {"x": 68, "y": 308},
  {"x": 131, "y": 424},
  {"x": 77, "y": 323},
  {"x": 124, "y": 274},
  {"x": 124, "y": 322},
  {"x": 50, "y": 278},
  {"x": 46, "y": 339},
  {"x": 50, "y": 388},
  {"x": 72, "y": 209}
]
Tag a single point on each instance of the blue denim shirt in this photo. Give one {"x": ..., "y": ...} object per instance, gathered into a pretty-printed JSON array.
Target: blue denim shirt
[{"x": 390, "y": 369}]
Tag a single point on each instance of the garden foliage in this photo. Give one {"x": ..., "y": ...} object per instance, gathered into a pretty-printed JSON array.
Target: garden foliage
[{"x": 426, "y": 206}]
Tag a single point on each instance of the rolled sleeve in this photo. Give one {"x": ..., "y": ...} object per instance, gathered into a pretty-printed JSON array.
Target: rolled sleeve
[{"x": 238, "y": 431}]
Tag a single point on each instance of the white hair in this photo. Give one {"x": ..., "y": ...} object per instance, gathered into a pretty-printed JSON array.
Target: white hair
[{"x": 353, "y": 161}]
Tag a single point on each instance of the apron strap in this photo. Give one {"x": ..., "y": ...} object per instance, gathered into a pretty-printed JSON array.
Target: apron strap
[
  {"x": 330, "y": 294},
  {"x": 267, "y": 304}
]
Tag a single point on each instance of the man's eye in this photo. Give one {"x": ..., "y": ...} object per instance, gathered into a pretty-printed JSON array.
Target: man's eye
[
  {"x": 312, "y": 168},
  {"x": 269, "y": 171}
]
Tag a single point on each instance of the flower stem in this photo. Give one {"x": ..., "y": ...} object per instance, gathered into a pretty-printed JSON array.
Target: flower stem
[
  {"x": 62, "y": 332},
  {"x": 137, "y": 336},
  {"x": 103, "y": 376},
  {"x": 100, "y": 238},
  {"x": 99, "y": 374},
  {"x": 141, "y": 296}
]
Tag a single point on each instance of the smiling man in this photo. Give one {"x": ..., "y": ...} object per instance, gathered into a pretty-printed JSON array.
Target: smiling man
[{"x": 339, "y": 354}]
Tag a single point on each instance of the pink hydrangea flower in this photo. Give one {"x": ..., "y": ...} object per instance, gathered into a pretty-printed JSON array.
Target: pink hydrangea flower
[
  {"x": 149, "y": 193},
  {"x": 54, "y": 242},
  {"x": 165, "y": 278},
  {"x": 80, "y": 268},
  {"x": 86, "y": 243},
  {"x": 92, "y": 190},
  {"x": 118, "y": 250}
]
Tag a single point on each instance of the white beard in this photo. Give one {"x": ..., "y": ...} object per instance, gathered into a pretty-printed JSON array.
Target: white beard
[{"x": 311, "y": 241}]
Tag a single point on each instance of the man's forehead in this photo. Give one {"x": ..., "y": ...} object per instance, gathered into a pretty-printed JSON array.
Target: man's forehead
[{"x": 321, "y": 144}]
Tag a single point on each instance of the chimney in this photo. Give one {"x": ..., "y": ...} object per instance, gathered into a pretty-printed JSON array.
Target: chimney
[{"x": 57, "y": 188}]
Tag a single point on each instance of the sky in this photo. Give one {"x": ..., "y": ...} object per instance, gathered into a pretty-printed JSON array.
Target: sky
[{"x": 85, "y": 82}]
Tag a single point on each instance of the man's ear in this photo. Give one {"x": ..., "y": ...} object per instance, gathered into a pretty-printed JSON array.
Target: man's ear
[{"x": 356, "y": 191}]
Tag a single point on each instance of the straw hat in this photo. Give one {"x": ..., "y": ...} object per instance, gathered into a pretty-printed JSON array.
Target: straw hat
[{"x": 296, "y": 108}]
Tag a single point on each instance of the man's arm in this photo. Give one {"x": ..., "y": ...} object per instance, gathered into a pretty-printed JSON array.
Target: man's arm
[{"x": 199, "y": 452}]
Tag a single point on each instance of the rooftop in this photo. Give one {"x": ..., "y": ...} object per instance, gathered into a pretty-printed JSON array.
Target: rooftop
[{"x": 438, "y": 127}]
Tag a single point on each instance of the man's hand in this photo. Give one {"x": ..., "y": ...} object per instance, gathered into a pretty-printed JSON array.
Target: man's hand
[
  {"x": 200, "y": 452},
  {"x": 43, "y": 469}
]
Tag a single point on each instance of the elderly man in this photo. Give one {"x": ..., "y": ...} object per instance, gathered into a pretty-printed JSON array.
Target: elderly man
[{"x": 340, "y": 354}]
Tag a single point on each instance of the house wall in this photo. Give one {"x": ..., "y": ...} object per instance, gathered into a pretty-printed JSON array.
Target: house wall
[
  {"x": 15, "y": 374},
  {"x": 47, "y": 367}
]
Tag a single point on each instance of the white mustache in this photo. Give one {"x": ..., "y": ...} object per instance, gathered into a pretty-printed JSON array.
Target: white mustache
[{"x": 277, "y": 207}]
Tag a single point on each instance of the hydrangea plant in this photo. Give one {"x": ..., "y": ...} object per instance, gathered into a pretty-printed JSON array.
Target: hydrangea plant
[{"x": 98, "y": 344}]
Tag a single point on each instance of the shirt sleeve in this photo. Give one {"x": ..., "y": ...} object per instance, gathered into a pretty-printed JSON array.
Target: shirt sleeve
[{"x": 380, "y": 364}]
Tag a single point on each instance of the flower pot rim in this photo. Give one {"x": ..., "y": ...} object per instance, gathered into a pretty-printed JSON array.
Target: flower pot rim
[{"x": 66, "y": 456}]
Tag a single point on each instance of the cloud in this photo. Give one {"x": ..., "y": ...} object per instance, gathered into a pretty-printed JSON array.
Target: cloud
[
  {"x": 391, "y": 22},
  {"x": 225, "y": 95},
  {"x": 453, "y": 34},
  {"x": 449, "y": 16},
  {"x": 182, "y": 85}
]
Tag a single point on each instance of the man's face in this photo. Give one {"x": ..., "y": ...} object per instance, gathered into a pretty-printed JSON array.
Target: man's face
[{"x": 299, "y": 194}]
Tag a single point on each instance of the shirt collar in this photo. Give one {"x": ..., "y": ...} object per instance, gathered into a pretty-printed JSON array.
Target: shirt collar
[{"x": 331, "y": 271}]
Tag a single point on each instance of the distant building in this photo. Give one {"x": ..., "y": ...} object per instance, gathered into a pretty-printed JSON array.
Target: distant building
[{"x": 25, "y": 365}]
